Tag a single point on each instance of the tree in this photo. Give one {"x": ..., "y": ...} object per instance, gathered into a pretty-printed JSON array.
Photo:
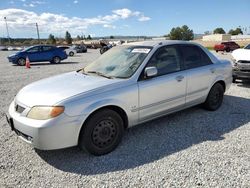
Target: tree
[
  {"x": 219, "y": 30},
  {"x": 111, "y": 37},
  {"x": 78, "y": 37},
  {"x": 51, "y": 39},
  {"x": 237, "y": 31},
  {"x": 206, "y": 32},
  {"x": 89, "y": 37},
  {"x": 181, "y": 33},
  {"x": 68, "y": 38}
]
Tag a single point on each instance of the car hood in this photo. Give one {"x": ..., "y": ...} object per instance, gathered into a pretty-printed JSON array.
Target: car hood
[
  {"x": 15, "y": 54},
  {"x": 52, "y": 90},
  {"x": 241, "y": 54}
]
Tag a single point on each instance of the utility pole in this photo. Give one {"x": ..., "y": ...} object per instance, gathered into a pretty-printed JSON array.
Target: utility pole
[
  {"x": 37, "y": 30},
  {"x": 7, "y": 29}
]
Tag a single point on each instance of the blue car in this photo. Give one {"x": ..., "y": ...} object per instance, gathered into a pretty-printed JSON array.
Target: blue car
[{"x": 38, "y": 53}]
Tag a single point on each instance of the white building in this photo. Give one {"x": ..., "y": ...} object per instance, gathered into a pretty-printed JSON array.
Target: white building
[{"x": 217, "y": 37}]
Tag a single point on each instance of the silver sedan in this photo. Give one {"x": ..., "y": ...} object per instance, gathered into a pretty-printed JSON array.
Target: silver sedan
[{"x": 128, "y": 85}]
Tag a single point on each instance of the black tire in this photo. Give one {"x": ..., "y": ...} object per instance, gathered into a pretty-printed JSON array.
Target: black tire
[
  {"x": 71, "y": 53},
  {"x": 21, "y": 61},
  {"x": 214, "y": 98},
  {"x": 101, "y": 51},
  {"x": 216, "y": 51},
  {"x": 228, "y": 50},
  {"x": 56, "y": 60},
  {"x": 102, "y": 132},
  {"x": 234, "y": 80}
]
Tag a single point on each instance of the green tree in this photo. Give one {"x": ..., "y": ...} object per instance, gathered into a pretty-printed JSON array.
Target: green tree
[
  {"x": 219, "y": 30},
  {"x": 68, "y": 38},
  {"x": 181, "y": 33},
  {"x": 237, "y": 31},
  {"x": 89, "y": 37},
  {"x": 51, "y": 39},
  {"x": 111, "y": 37},
  {"x": 78, "y": 37},
  {"x": 206, "y": 32}
]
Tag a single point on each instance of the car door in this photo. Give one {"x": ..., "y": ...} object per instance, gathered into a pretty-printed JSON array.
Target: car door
[
  {"x": 200, "y": 73},
  {"x": 165, "y": 92},
  {"x": 47, "y": 53},
  {"x": 33, "y": 54}
]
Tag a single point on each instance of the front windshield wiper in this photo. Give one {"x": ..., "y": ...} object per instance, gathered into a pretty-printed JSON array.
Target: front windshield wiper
[
  {"x": 100, "y": 74},
  {"x": 82, "y": 71}
]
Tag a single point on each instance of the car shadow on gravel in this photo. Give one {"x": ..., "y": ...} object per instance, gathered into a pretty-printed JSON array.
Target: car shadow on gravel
[
  {"x": 243, "y": 83},
  {"x": 157, "y": 139}
]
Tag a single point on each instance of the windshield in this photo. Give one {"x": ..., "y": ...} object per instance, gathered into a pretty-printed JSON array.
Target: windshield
[
  {"x": 119, "y": 62},
  {"x": 247, "y": 47}
]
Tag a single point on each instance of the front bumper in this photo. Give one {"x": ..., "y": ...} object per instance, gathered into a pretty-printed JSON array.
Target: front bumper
[
  {"x": 13, "y": 59},
  {"x": 55, "y": 133}
]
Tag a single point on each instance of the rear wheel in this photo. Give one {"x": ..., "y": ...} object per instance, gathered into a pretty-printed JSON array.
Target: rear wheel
[
  {"x": 102, "y": 132},
  {"x": 21, "y": 61},
  {"x": 56, "y": 59},
  {"x": 234, "y": 80},
  {"x": 228, "y": 50},
  {"x": 71, "y": 53},
  {"x": 215, "y": 97}
]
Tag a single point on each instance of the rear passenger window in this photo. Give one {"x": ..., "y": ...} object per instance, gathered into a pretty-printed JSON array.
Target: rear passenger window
[
  {"x": 194, "y": 57},
  {"x": 47, "y": 48},
  {"x": 166, "y": 60}
]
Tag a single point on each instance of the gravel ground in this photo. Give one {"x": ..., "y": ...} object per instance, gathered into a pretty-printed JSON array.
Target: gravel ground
[{"x": 191, "y": 148}]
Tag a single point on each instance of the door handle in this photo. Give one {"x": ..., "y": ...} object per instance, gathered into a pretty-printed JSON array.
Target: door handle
[
  {"x": 212, "y": 70},
  {"x": 179, "y": 78}
]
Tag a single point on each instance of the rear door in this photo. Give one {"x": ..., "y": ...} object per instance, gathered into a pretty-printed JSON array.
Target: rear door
[
  {"x": 165, "y": 92},
  {"x": 200, "y": 73},
  {"x": 47, "y": 53}
]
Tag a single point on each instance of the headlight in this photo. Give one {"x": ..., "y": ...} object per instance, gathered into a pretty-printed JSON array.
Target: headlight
[{"x": 45, "y": 112}]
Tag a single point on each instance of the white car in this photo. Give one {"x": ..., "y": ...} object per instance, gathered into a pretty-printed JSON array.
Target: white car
[
  {"x": 70, "y": 50},
  {"x": 241, "y": 67},
  {"x": 242, "y": 54},
  {"x": 128, "y": 85}
]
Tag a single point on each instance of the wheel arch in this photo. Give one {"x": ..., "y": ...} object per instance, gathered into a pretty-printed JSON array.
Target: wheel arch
[{"x": 115, "y": 108}]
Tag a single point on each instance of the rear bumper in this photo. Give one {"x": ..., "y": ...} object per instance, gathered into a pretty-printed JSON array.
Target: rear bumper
[{"x": 55, "y": 133}]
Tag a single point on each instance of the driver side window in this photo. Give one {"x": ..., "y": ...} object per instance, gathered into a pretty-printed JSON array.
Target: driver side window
[
  {"x": 166, "y": 60},
  {"x": 34, "y": 49}
]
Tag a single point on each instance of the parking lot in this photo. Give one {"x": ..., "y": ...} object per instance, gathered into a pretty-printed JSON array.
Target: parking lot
[{"x": 191, "y": 148}]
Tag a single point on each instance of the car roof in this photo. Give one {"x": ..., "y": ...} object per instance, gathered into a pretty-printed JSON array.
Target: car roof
[
  {"x": 154, "y": 43},
  {"x": 40, "y": 45}
]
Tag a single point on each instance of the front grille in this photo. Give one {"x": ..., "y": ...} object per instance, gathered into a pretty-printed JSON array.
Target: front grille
[
  {"x": 19, "y": 108},
  {"x": 245, "y": 70},
  {"x": 241, "y": 61}
]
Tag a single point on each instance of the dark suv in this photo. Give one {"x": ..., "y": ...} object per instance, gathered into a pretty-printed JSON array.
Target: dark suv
[{"x": 226, "y": 46}]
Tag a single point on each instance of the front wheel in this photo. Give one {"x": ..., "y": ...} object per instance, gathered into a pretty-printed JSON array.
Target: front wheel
[
  {"x": 234, "y": 80},
  {"x": 71, "y": 53},
  {"x": 214, "y": 98},
  {"x": 21, "y": 61},
  {"x": 102, "y": 132},
  {"x": 56, "y": 60}
]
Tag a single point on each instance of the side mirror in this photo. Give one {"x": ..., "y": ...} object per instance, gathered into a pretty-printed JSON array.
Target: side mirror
[{"x": 150, "y": 72}]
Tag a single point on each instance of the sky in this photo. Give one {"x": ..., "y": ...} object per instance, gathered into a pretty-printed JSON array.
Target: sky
[{"x": 119, "y": 17}]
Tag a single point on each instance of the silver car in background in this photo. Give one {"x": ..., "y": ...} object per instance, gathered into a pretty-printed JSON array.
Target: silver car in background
[{"x": 128, "y": 85}]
